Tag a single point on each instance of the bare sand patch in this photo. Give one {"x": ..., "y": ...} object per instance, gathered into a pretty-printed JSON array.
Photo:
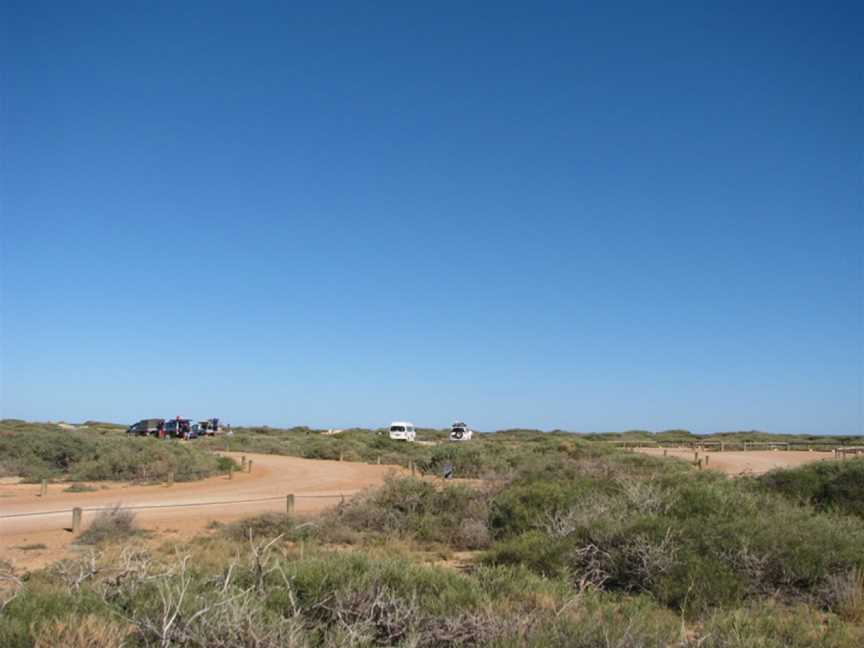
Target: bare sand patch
[
  {"x": 184, "y": 508},
  {"x": 751, "y": 462}
]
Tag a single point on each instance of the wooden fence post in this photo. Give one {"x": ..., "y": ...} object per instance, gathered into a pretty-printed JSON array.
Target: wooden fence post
[
  {"x": 341, "y": 456},
  {"x": 665, "y": 452},
  {"x": 171, "y": 478},
  {"x": 411, "y": 465},
  {"x": 289, "y": 504},
  {"x": 231, "y": 471},
  {"x": 243, "y": 461},
  {"x": 699, "y": 464},
  {"x": 379, "y": 460},
  {"x": 44, "y": 490},
  {"x": 706, "y": 460},
  {"x": 249, "y": 466},
  {"x": 76, "y": 520}
]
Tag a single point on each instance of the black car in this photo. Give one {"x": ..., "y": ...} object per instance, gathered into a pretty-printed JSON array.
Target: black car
[
  {"x": 146, "y": 427},
  {"x": 179, "y": 428}
]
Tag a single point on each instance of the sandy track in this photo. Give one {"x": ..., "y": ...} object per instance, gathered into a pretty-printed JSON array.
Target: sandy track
[
  {"x": 754, "y": 462},
  {"x": 316, "y": 484}
]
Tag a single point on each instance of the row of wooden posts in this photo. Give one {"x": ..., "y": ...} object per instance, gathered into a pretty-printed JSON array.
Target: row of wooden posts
[
  {"x": 341, "y": 457},
  {"x": 746, "y": 445},
  {"x": 697, "y": 460},
  {"x": 245, "y": 466},
  {"x": 840, "y": 453},
  {"x": 77, "y": 512}
]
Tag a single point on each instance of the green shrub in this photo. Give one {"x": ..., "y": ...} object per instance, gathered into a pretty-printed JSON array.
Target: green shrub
[
  {"x": 533, "y": 550},
  {"x": 827, "y": 485},
  {"x": 523, "y": 505},
  {"x": 694, "y": 544},
  {"x": 266, "y": 525},
  {"x": 449, "y": 514}
]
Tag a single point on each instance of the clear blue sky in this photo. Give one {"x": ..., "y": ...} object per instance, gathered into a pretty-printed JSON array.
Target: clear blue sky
[{"x": 555, "y": 215}]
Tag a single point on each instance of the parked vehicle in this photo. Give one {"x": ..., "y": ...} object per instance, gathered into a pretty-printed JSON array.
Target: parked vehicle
[
  {"x": 402, "y": 431},
  {"x": 460, "y": 432},
  {"x": 147, "y": 427},
  {"x": 211, "y": 427},
  {"x": 179, "y": 428}
]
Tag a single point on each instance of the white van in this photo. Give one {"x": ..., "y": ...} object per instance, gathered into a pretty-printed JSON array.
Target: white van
[
  {"x": 402, "y": 431},
  {"x": 460, "y": 432}
]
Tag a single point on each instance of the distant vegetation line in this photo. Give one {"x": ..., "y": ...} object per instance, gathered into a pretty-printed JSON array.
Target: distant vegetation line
[
  {"x": 670, "y": 435},
  {"x": 36, "y": 451},
  {"x": 102, "y": 451}
]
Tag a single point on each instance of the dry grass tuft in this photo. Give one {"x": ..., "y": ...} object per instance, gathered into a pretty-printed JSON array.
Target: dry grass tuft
[
  {"x": 80, "y": 632},
  {"x": 845, "y": 595},
  {"x": 110, "y": 526}
]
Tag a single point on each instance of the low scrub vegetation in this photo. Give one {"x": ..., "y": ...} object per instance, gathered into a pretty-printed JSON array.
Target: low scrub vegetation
[
  {"x": 692, "y": 546},
  {"x": 734, "y": 439},
  {"x": 266, "y": 595},
  {"x": 454, "y": 516},
  {"x": 563, "y": 542},
  {"x": 260, "y": 526},
  {"x": 488, "y": 455},
  {"x": 826, "y": 485},
  {"x": 44, "y": 451}
]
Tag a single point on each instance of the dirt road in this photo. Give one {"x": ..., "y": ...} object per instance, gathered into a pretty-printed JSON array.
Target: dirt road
[
  {"x": 181, "y": 509},
  {"x": 753, "y": 462}
]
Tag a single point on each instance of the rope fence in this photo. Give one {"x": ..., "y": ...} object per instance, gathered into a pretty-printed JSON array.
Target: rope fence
[
  {"x": 143, "y": 507},
  {"x": 245, "y": 466},
  {"x": 166, "y": 478},
  {"x": 78, "y": 511},
  {"x": 723, "y": 446}
]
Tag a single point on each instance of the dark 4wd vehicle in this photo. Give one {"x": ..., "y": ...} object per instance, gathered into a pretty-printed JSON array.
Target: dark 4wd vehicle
[
  {"x": 146, "y": 427},
  {"x": 180, "y": 428}
]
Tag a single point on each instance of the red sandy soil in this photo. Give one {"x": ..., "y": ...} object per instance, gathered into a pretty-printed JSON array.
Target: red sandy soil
[
  {"x": 752, "y": 462},
  {"x": 272, "y": 476}
]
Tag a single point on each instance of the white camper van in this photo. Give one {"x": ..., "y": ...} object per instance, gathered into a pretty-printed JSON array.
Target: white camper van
[
  {"x": 402, "y": 431},
  {"x": 460, "y": 432}
]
